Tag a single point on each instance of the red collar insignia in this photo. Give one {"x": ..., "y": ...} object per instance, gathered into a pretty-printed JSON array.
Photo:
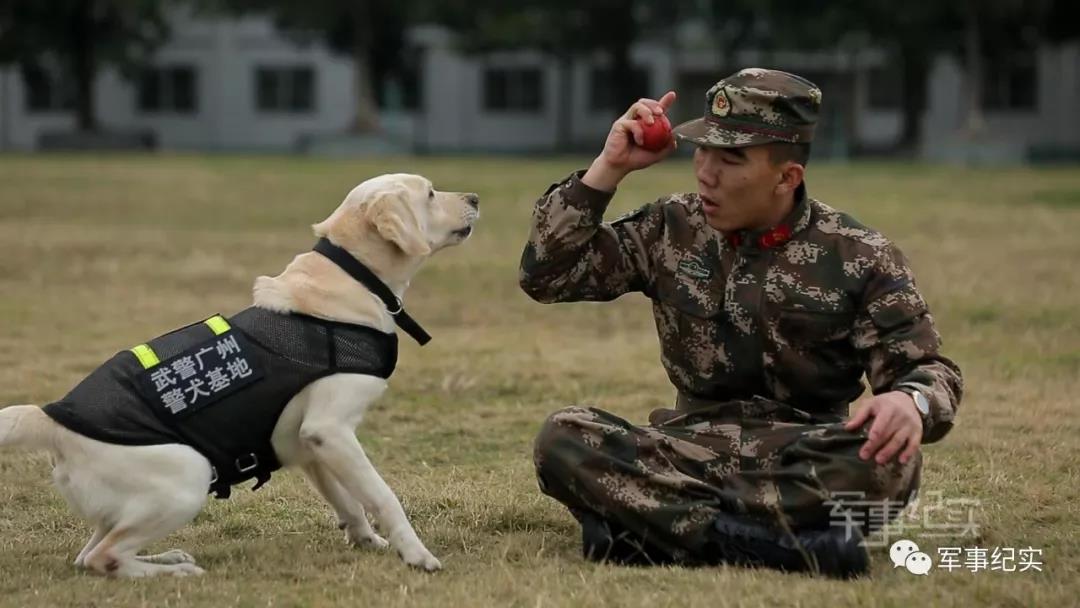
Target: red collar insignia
[{"x": 770, "y": 238}]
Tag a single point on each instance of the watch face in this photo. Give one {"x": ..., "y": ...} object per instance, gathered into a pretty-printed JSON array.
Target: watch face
[{"x": 921, "y": 403}]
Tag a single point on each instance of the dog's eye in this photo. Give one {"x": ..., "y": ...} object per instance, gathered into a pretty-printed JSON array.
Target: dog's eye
[{"x": 431, "y": 194}]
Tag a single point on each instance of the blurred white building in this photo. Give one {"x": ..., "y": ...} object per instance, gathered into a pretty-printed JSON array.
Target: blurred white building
[
  {"x": 216, "y": 85},
  {"x": 239, "y": 85}
]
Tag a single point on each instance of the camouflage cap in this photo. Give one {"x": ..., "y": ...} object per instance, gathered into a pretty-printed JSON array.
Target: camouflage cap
[{"x": 755, "y": 106}]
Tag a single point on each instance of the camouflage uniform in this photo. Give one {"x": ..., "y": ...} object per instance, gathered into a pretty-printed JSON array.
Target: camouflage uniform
[{"x": 765, "y": 335}]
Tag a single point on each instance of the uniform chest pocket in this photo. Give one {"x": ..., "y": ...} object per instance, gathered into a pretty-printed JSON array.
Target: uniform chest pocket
[
  {"x": 695, "y": 297},
  {"x": 810, "y": 326}
]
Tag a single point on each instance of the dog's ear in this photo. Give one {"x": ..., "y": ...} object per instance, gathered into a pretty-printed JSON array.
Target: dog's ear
[{"x": 390, "y": 216}]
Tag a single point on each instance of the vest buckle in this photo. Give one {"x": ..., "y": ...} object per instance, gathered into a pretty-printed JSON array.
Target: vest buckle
[{"x": 245, "y": 467}]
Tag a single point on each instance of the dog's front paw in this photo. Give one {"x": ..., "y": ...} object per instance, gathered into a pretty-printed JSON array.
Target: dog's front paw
[
  {"x": 421, "y": 558},
  {"x": 365, "y": 540}
]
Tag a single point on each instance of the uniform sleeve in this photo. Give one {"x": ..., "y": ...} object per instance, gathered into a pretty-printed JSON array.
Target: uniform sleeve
[
  {"x": 572, "y": 255},
  {"x": 895, "y": 335}
]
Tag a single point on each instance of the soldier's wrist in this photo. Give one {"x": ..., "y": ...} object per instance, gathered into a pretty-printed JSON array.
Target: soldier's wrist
[
  {"x": 920, "y": 402},
  {"x": 602, "y": 176}
]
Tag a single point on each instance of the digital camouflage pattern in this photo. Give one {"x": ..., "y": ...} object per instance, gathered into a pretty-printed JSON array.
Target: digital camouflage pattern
[
  {"x": 755, "y": 106},
  {"x": 799, "y": 322},
  {"x": 788, "y": 320},
  {"x": 665, "y": 482}
]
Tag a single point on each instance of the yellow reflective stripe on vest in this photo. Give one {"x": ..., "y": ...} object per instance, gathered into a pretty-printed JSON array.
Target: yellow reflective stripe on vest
[
  {"x": 149, "y": 358},
  {"x": 217, "y": 324},
  {"x": 146, "y": 356}
]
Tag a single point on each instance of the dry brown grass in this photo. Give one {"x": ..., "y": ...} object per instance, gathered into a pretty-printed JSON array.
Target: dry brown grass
[{"x": 101, "y": 253}]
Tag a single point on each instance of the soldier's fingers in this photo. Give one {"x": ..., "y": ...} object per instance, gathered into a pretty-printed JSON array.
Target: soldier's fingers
[
  {"x": 667, "y": 100},
  {"x": 886, "y": 453},
  {"x": 652, "y": 104},
  {"x": 912, "y": 448},
  {"x": 631, "y": 128},
  {"x": 641, "y": 110},
  {"x": 859, "y": 419},
  {"x": 878, "y": 435},
  {"x": 879, "y": 431}
]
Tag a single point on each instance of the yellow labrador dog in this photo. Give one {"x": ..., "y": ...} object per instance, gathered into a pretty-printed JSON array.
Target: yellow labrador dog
[{"x": 136, "y": 494}]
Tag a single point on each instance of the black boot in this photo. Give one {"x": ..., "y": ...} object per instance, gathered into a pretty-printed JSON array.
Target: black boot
[
  {"x": 834, "y": 551},
  {"x": 607, "y": 542}
]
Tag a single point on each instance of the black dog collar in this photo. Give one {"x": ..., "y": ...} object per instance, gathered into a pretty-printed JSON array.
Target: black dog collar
[{"x": 367, "y": 278}]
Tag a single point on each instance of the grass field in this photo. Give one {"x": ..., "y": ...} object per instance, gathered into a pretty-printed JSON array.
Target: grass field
[{"x": 98, "y": 254}]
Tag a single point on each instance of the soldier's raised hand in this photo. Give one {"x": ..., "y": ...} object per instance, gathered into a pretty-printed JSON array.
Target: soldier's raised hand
[{"x": 623, "y": 151}]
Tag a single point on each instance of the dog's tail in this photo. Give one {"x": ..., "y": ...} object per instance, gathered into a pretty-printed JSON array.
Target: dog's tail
[{"x": 26, "y": 426}]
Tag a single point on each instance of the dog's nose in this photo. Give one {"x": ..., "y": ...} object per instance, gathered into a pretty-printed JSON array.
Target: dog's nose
[{"x": 473, "y": 199}]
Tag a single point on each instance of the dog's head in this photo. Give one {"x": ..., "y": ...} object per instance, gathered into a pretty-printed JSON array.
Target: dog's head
[{"x": 404, "y": 211}]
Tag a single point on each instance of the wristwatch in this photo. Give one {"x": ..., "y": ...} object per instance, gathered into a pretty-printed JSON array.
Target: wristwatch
[{"x": 921, "y": 402}]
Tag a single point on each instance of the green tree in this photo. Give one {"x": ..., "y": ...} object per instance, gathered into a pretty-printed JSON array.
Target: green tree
[{"x": 81, "y": 36}]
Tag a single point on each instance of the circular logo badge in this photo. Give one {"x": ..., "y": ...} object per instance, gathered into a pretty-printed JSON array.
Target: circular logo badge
[{"x": 721, "y": 105}]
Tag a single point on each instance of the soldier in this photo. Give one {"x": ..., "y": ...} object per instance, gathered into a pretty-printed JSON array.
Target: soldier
[{"x": 770, "y": 306}]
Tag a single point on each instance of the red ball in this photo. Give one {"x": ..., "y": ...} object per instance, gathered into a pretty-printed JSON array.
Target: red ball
[{"x": 657, "y": 136}]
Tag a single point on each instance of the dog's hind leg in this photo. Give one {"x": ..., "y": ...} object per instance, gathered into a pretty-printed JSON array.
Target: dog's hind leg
[
  {"x": 350, "y": 513},
  {"x": 155, "y": 517},
  {"x": 172, "y": 556},
  {"x": 134, "y": 495},
  {"x": 99, "y": 533},
  {"x": 115, "y": 556}
]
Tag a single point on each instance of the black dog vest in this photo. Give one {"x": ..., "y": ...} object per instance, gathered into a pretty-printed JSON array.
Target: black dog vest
[{"x": 220, "y": 386}]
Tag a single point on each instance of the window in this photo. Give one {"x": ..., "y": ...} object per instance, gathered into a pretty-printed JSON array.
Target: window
[
  {"x": 513, "y": 89},
  {"x": 400, "y": 91},
  {"x": 167, "y": 89},
  {"x": 603, "y": 95},
  {"x": 402, "y": 87},
  {"x": 1011, "y": 84},
  {"x": 885, "y": 89},
  {"x": 46, "y": 91},
  {"x": 285, "y": 89}
]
